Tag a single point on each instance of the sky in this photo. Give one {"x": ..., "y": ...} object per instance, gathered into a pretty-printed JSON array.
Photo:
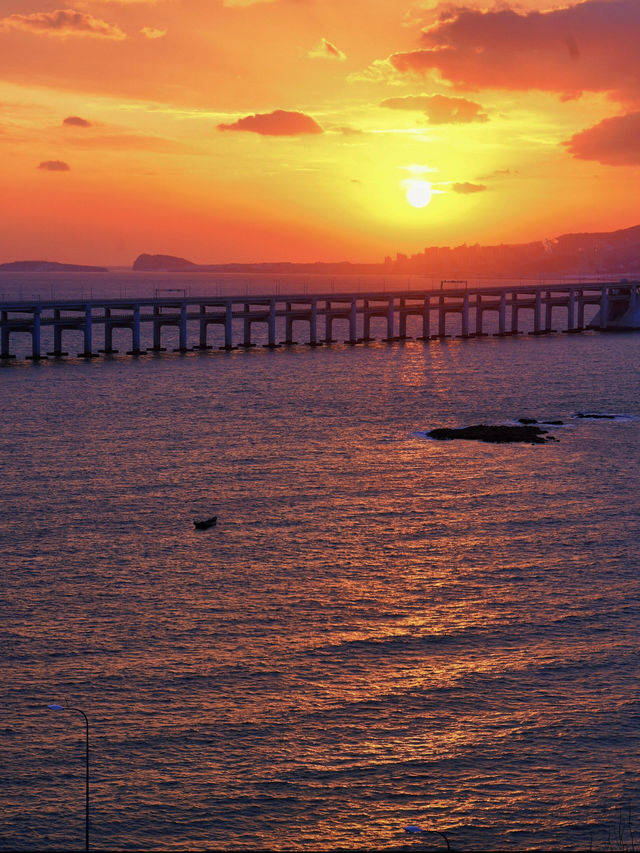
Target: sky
[{"x": 312, "y": 130}]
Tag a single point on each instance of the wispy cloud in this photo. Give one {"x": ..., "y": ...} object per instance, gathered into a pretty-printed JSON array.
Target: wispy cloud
[
  {"x": 380, "y": 71},
  {"x": 345, "y": 130},
  {"x": 244, "y": 3},
  {"x": 130, "y": 141},
  {"x": 84, "y": 4},
  {"x": 277, "y": 123},
  {"x": 76, "y": 121},
  {"x": 153, "y": 32},
  {"x": 497, "y": 173},
  {"x": 62, "y": 22},
  {"x": 121, "y": 2},
  {"x": 439, "y": 109},
  {"x": 327, "y": 50},
  {"x": 465, "y": 188},
  {"x": 54, "y": 166}
]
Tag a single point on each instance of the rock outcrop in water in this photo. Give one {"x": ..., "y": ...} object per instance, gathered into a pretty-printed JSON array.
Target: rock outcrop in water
[
  {"x": 498, "y": 434},
  {"x": 536, "y": 421}
]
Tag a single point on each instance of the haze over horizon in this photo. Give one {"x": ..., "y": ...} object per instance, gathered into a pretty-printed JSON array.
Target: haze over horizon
[{"x": 270, "y": 130}]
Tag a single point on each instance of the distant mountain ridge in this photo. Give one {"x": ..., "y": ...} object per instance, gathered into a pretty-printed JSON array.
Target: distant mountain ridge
[
  {"x": 597, "y": 253},
  {"x": 48, "y": 266},
  {"x": 171, "y": 263},
  {"x": 586, "y": 253}
]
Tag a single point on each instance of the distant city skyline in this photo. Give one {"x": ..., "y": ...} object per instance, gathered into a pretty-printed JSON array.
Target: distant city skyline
[{"x": 270, "y": 130}]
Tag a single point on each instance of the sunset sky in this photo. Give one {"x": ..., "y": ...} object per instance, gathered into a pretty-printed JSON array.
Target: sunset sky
[{"x": 303, "y": 130}]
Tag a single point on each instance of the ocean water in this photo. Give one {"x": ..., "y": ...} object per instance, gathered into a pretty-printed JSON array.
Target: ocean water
[{"x": 381, "y": 631}]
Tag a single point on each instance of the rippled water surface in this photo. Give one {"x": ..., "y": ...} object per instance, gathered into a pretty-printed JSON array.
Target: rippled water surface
[{"x": 381, "y": 631}]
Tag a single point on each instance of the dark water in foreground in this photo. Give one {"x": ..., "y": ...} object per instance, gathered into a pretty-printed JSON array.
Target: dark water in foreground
[{"x": 381, "y": 631}]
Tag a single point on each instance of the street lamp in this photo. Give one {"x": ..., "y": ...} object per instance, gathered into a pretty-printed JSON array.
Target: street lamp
[{"x": 86, "y": 810}]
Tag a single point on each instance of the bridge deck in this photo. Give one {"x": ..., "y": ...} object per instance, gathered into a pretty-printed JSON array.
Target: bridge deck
[{"x": 617, "y": 304}]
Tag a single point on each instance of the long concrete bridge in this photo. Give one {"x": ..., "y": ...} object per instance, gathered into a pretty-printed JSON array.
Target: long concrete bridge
[{"x": 614, "y": 305}]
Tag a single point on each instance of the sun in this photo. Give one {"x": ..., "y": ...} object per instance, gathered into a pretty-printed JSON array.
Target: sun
[{"x": 418, "y": 192}]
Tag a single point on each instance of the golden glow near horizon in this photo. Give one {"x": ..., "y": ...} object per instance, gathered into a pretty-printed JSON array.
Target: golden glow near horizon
[{"x": 232, "y": 130}]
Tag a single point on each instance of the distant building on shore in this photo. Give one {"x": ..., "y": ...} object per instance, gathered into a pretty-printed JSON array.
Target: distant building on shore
[{"x": 570, "y": 254}]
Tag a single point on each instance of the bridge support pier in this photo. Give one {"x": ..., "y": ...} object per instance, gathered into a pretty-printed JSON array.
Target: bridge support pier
[
  {"x": 157, "y": 330},
  {"x": 464, "y": 329},
  {"x": 390, "y": 321},
  {"x": 135, "y": 343},
  {"x": 36, "y": 355},
  {"x": 4, "y": 338},
  {"x": 88, "y": 335},
  {"x": 246, "y": 343},
  {"x": 353, "y": 317},
  {"x": 228, "y": 326},
  {"x": 313, "y": 325},
  {"x": 182, "y": 330},
  {"x": 502, "y": 315},
  {"x": 271, "y": 326},
  {"x": 203, "y": 325},
  {"x": 604, "y": 308}
]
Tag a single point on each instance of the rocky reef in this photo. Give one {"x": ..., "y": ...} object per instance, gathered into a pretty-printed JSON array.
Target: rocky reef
[{"x": 498, "y": 434}]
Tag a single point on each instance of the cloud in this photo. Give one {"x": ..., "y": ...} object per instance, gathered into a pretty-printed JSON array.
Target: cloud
[
  {"x": 614, "y": 142},
  {"x": 153, "y": 33},
  {"x": 380, "y": 71},
  {"x": 132, "y": 141},
  {"x": 277, "y": 123},
  {"x": 439, "y": 109},
  {"x": 83, "y": 4},
  {"x": 326, "y": 50},
  {"x": 466, "y": 188},
  {"x": 586, "y": 46},
  {"x": 54, "y": 166},
  {"x": 345, "y": 130},
  {"x": 76, "y": 121},
  {"x": 62, "y": 22},
  {"x": 242, "y": 3}
]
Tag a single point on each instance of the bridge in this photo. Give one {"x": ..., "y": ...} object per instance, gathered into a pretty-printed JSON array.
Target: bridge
[{"x": 422, "y": 315}]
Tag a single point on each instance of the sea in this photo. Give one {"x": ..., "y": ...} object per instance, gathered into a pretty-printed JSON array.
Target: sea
[{"x": 386, "y": 642}]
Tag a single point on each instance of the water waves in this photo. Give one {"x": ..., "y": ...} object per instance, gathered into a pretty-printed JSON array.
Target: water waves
[{"x": 380, "y": 631}]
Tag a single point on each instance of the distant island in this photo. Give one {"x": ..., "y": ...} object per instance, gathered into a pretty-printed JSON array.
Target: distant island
[
  {"x": 170, "y": 263},
  {"x": 48, "y": 266},
  {"x": 600, "y": 253}
]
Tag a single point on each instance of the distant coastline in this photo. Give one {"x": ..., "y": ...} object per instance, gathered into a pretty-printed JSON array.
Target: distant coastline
[
  {"x": 586, "y": 254},
  {"x": 170, "y": 263},
  {"x": 48, "y": 266},
  {"x": 592, "y": 254}
]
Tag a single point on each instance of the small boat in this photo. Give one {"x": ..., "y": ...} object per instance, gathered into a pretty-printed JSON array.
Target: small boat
[{"x": 206, "y": 524}]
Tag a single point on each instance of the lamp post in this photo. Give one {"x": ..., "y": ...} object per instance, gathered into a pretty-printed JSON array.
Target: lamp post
[{"x": 86, "y": 754}]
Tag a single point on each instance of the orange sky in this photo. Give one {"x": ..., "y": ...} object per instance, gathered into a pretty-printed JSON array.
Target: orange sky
[{"x": 249, "y": 130}]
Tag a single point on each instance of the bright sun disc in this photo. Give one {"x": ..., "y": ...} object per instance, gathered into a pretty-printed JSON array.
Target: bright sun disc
[{"x": 418, "y": 192}]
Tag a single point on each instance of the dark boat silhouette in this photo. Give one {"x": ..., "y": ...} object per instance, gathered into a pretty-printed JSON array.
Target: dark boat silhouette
[{"x": 206, "y": 524}]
